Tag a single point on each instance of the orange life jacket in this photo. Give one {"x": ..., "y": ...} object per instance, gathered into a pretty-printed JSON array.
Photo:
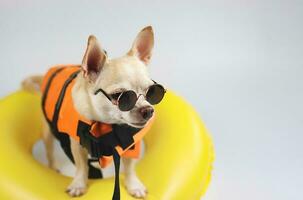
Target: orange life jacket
[{"x": 101, "y": 140}]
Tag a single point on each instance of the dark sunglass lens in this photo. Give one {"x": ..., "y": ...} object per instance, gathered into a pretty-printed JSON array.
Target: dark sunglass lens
[
  {"x": 127, "y": 100},
  {"x": 155, "y": 94}
]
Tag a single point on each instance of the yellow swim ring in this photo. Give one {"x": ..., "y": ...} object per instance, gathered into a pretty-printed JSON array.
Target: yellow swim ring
[{"x": 176, "y": 166}]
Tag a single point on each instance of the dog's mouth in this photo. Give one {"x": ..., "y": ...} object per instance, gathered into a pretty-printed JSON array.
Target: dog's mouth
[{"x": 137, "y": 124}]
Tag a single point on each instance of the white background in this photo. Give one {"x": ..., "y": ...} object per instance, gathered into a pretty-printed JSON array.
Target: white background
[{"x": 238, "y": 62}]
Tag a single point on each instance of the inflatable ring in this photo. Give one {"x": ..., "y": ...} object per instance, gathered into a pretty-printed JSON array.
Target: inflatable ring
[{"x": 177, "y": 163}]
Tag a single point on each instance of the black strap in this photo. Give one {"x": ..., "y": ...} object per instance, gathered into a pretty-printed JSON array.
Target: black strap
[
  {"x": 121, "y": 135},
  {"x": 50, "y": 80},
  {"x": 63, "y": 138},
  {"x": 62, "y": 95},
  {"x": 93, "y": 173},
  {"x": 116, "y": 195}
]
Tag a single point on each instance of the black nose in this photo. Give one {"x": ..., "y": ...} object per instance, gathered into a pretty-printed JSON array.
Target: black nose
[{"x": 146, "y": 112}]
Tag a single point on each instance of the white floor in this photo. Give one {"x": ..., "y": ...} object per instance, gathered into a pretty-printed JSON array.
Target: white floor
[{"x": 238, "y": 62}]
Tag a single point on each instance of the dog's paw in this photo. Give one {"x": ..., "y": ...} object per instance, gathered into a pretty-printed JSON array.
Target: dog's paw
[
  {"x": 76, "y": 189},
  {"x": 135, "y": 187}
]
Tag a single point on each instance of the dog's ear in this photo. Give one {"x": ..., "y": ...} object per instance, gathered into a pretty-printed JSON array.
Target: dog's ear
[
  {"x": 94, "y": 58},
  {"x": 143, "y": 45}
]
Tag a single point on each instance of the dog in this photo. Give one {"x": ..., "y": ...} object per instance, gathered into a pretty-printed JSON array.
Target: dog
[{"x": 130, "y": 72}]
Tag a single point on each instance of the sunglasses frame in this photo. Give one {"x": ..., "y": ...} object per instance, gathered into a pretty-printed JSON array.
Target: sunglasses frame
[{"x": 116, "y": 101}]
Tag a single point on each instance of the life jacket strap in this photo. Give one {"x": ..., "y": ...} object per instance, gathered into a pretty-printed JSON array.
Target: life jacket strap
[
  {"x": 93, "y": 173},
  {"x": 116, "y": 157},
  {"x": 121, "y": 135}
]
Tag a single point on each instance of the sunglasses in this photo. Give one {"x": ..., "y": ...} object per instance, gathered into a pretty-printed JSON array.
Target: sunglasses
[{"x": 126, "y": 100}]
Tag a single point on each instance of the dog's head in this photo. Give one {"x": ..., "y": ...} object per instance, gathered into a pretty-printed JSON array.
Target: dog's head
[{"x": 129, "y": 72}]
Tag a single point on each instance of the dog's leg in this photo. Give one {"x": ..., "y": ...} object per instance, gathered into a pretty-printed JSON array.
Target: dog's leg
[
  {"x": 48, "y": 140},
  {"x": 79, "y": 183},
  {"x": 132, "y": 183}
]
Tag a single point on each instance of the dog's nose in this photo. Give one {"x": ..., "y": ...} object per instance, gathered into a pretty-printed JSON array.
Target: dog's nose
[{"x": 146, "y": 112}]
